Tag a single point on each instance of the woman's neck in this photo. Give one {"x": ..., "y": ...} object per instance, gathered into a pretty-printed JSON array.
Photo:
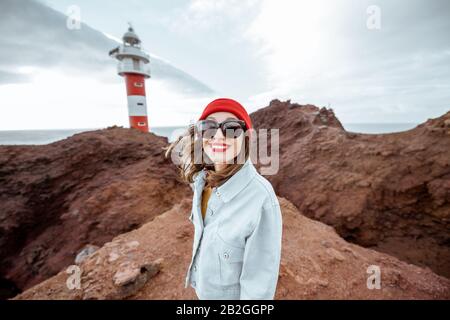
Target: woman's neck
[{"x": 219, "y": 166}]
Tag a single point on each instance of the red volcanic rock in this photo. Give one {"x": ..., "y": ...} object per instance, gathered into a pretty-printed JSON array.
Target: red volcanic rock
[
  {"x": 389, "y": 192},
  {"x": 85, "y": 189},
  {"x": 67, "y": 200},
  {"x": 151, "y": 263}
]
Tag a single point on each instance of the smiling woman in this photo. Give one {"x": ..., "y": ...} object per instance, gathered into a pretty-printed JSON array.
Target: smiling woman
[
  {"x": 220, "y": 152},
  {"x": 235, "y": 212}
]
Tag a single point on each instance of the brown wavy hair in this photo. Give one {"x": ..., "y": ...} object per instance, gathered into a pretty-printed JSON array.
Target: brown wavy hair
[{"x": 191, "y": 162}]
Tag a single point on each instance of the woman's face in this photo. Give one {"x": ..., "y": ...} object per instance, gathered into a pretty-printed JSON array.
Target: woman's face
[{"x": 221, "y": 149}]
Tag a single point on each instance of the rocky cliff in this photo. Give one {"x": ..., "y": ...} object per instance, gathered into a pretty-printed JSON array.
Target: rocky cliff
[
  {"x": 85, "y": 189},
  {"x": 386, "y": 195},
  {"x": 389, "y": 192}
]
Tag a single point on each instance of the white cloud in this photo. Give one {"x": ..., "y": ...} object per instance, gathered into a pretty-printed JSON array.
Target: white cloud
[
  {"x": 52, "y": 100},
  {"x": 58, "y": 78},
  {"x": 202, "y": 15},
  {"x": 310, "y": 52},
  {"x": 322, "y": 53},
  {"x": 294, "y": 37}
]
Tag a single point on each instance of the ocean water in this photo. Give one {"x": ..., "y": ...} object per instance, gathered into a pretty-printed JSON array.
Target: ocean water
[
  {"x": 31, "y": 137},
  {"x": 36, "y": 136}
]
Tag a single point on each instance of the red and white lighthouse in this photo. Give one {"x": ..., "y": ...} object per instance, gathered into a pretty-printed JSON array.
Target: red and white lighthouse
[{"x": 132, "y": 65}]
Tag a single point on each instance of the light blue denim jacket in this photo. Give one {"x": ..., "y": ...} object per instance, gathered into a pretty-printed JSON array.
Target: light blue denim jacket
[{"x": 237, "y": 248}]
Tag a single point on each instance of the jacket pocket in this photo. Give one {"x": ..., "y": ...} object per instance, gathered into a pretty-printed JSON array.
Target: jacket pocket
[{"x": 230, "y": 262}]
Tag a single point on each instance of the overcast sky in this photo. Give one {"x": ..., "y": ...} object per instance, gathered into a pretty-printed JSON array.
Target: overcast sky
[{"x": 371, "y": 61}]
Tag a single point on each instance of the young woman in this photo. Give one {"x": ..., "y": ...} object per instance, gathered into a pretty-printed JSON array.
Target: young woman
[{"x": 235, "y": 212}]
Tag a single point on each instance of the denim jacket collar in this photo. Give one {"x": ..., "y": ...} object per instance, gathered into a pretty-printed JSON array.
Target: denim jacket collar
[{"x": 233, "y": 185}]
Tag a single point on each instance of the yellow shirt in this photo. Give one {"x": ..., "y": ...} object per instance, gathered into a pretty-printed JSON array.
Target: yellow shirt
[{"x": 205, "y": 197}]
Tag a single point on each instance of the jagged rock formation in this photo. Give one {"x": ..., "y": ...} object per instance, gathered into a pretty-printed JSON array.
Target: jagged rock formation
[
  {"x": 151, "y": 263},
  {"x": 85, "y": 189},
  {"x": 390, "y": 192},
  {"x": 60, "y": 203}
]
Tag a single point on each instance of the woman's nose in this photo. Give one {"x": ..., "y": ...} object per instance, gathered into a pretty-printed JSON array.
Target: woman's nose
[{"x": 219, "y": 135}]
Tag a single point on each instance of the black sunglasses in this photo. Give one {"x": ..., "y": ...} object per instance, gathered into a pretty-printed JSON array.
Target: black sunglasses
[{"x": 231, "y": 128}]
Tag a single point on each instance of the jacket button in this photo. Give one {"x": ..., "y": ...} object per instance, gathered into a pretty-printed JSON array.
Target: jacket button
[
  {"x": 212, "y": 212},
  {"x": 193, "y": 283},
  {"x": 195, "y": 267},
  {"x": 226, "y": 255}
]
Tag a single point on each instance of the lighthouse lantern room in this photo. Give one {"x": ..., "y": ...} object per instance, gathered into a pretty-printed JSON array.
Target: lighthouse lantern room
[{"x": 132, "y": 65}]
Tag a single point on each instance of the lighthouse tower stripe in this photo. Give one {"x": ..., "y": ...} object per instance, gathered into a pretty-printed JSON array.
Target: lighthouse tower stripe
[
  {"x": 137, "y": 106},
  {"x": 135, "y": 84},
  {"x": 139, "y": 122}
]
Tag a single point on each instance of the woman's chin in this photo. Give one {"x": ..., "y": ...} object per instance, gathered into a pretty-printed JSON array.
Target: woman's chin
[{"x": 220, "y": 158}]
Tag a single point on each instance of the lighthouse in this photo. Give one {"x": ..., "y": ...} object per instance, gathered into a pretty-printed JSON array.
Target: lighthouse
[{"x": 132, "y": 65}]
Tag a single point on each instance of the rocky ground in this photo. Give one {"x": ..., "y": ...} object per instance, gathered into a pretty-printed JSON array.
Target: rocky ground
[
  {"x": 63, "y": 201},
  {"x": 151, "y": 263}
]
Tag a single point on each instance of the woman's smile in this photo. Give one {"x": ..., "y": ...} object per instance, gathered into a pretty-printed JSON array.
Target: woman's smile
[{"x": 219, "y": 147}]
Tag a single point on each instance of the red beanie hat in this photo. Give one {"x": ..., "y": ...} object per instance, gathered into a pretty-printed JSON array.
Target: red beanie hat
[{"x": 228, "y": 105}]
